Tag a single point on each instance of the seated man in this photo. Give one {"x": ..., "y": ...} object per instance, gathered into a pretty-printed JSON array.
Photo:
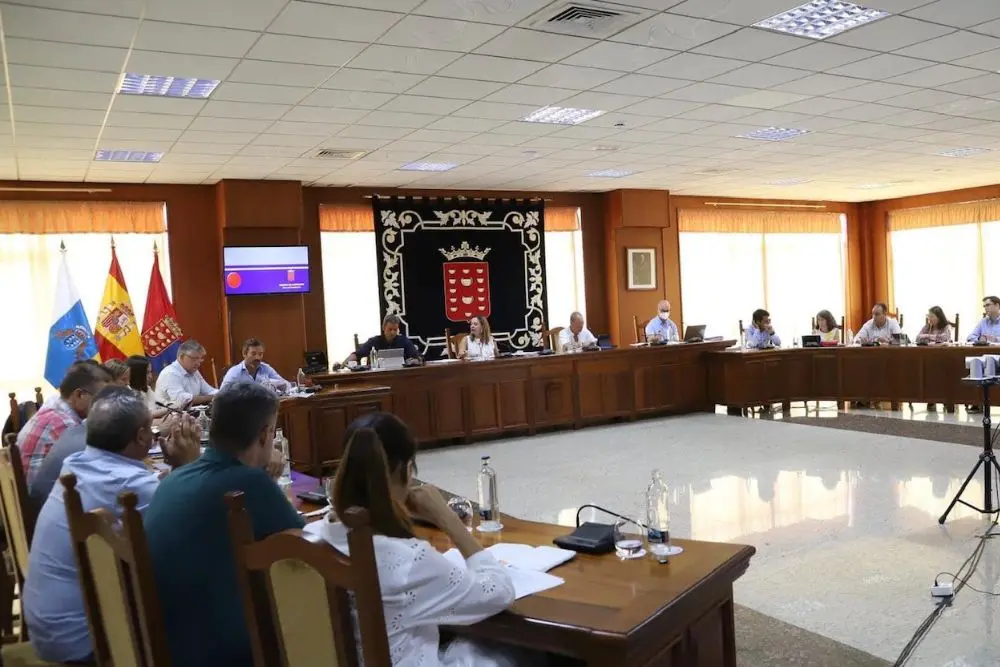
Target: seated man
[
  {"x": 761, "y": 334},
  {"x": 76, "y": 391},
  {"x": 253, "y": 368},
  {"x": 988, "y": 328},
  {"x": 576, "y": 336},
  {"x": 187, "y": 529},
  {"x": 661, "y": 329},
  {"x": 389, "y": 340},
  {"x": 879, "y": 329},
  {"x": 119, "y": 435},
  {"x": 180, "y": 385}
]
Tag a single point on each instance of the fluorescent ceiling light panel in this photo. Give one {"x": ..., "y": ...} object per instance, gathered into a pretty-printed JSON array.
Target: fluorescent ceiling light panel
[
  {"x": 112, "y": 155},
  {"x": 611, "y": 173},
  {"x": 964, "y": 152},
  {"x": 773, "y": 134},
  {"x": 820, "y": 19},
  {"x": 561, "y": 115},
  {"x": 789, "y": 181},
  {"x": 428, "y": 166},
  {"x": 166, "y": 86}
]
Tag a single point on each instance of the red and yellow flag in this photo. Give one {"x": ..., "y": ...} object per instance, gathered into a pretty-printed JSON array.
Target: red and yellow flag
[{"x": 116, "y": 330}]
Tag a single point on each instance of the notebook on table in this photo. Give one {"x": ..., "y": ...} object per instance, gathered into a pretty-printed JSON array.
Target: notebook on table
[{"x": 528, "y": 566}]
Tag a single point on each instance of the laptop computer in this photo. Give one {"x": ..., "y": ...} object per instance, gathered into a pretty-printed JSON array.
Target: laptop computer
[
  {"x": 695, "y": 333},
  {"x": 316, "y": 362},
  {"x": 812, "y": 340},
  {"x": 390, "y": 358},
  {"x": 604, "y": 342}
]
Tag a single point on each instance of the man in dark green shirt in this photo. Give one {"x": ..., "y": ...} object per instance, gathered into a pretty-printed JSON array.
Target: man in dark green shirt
[{"x": 188, "y": 531}]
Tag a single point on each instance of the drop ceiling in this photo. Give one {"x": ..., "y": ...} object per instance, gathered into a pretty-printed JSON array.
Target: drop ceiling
[{"x": 446, "y": 81}]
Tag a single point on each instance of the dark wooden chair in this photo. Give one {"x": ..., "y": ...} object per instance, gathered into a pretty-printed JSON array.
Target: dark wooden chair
[
  {"x": 296, "y": 594},
  {"x": 20, "y": 413},
  {"x": 19, "y": 514},
  {"x": 550, "y": 338},
  {"x": 898, "y": 316},
  {"x": 116, "y": 575},
  {"x": 954, "y": 326},
  {"x": 640, "y": 329}
]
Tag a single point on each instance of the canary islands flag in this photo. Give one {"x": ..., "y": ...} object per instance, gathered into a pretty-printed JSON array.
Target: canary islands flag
[
  {"x": 70, "y": 337},
  {"x": 116, "y": 332},
  {"x": 161, "y": 335}
]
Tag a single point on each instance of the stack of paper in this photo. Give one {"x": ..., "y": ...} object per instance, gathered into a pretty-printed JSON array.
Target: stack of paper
[{"x": 527, "y": 565}]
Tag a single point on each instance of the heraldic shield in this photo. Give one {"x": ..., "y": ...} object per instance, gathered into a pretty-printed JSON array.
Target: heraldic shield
[{"x": 466, "y": 290}]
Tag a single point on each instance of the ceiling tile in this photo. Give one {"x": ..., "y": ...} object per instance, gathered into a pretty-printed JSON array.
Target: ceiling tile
[
  {"x": 760, "y": 76},
  {"x": 305, "y": 50},
  {"x": 536, "y": 95},
  {"x": 923, "y": 99},
  {"x": 693, "y": 66},
  {"x": 222, "y": 125},
  {"x": 962, "y": 14},
  {"x": 347, "y": 99},
  {"x": 678, "y": 125},
  {"x": 819, "y": 105},
  {"x": 984, "y": 84},
  {"x": 366, "y": 132},
  {"x": 436, "y": 33},
  {"x": 69, "y": 27},
  {"x": 766, "y": 99},
  {"x": 872, "y": 92},
  {"x": 220, "y": 109},
  {"x": 533, "y": 45},
  {"x": 402, "y": 59},
  {"x": 460, "y": 89},
  {"x": 195, "y": 39},
  {"x": 618, "y": 56},
  {"x": 398, "y": 119},
  {"x": 496, "y": 110},
  {"x": 865, "y": 112},
  {"x": 891, "y": 33},
  {"x": 183, "y": 65},
  {"x": 43, "y": 97},
  {"x": 60, "y": 79},
  {"x": 418, "y": 104},
  {"x": 568, "y": 76},
  {"x": 113, "y": 132},
  {"x": 124, "y": 8},
  {"x": 508, "y": 12},
  {"x": 954, "y": 46},
  {"x": 662, "y": 108},
  {"x": 208, "y": 137},
  {"x": 709, "y": 92},
  {"x": 752, "y": 44},
  {"x": 454, "y": 123},
  {"x": 880, "y": 67},
  {"x": 442, "y": 136},
  {"x": 153, "y": 104},
  {"x": 935, "y": 76},
  {"x": 61, "y": 115},
  {"x": 991, "y": 28},
  {"x": 716, "y": 113},
  {"x": 150, "y": 120},
  {"x": 256, "y": 92},
  {"x": 821, "y": 57},
  {"x": 70, "y": 56},
  {"x": 642, "y": 85},
  {"x": 984, "y": 61},
  {"x": 739, "y": 13},
  {"x": 378, "y": 82},
  {"x": 254, "y": 15},
  {"x": 324, "y": 115},
  {"x": 490, "y": 68},
  {"x": 817, "y": 84},
  {"x": 669, "y": 31},
  {"x": 310, "y": 19},
  {"x": 602, "y": 101},
  {"x": 261, "y": 71}
]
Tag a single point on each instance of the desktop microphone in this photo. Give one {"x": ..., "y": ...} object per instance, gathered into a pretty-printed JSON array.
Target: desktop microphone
[{"x": 593, "y": 538}]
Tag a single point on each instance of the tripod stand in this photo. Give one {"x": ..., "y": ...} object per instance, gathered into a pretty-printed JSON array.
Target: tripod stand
[{"x": 987, "y": 459}]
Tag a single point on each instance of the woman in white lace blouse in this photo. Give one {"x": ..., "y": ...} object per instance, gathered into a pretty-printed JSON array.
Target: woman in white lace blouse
[
  {"x": 421, "y": 589},
  {"x": 479, "y": 344}
]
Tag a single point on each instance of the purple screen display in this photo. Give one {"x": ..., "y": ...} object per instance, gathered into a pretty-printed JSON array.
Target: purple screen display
[{"x": 266, "y": 270}]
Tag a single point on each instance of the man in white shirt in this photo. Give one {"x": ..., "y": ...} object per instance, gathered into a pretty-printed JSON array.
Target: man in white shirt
[
  {"x": 576, "y": 336},
  {"x": 253, "y": 368},
  {"x": 180, "y": 385},
  {"x": 879, "y": 329}
]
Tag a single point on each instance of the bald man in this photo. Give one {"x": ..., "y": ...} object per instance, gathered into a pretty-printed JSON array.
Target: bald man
[
  {"x": 661, "y": 328},
  {"x": 576, "y": 337}
]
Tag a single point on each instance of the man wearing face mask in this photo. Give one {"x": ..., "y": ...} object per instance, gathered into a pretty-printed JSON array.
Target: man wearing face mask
[{"x": 661, "y": 328}]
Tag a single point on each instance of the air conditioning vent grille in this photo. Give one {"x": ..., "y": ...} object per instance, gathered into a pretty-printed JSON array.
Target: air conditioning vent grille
[
  {"x": 338, "y": 154},
  {"x": 596, "y": 19},
  {"x": 580, "y": 14}
]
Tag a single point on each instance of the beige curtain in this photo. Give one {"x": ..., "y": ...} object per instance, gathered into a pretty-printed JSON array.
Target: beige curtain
[
  {"x": 70, "y": 217},
  {"x": 987, "y": 210},
  {"x": 758, "y": 222},
  {"x": 358, "y": 218}
]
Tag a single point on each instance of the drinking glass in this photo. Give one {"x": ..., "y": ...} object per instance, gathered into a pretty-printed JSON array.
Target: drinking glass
[
  {"x": 463, "y": 508},
  {"x": 628, "y": 539},
  {"x": 328, "y": 485}
]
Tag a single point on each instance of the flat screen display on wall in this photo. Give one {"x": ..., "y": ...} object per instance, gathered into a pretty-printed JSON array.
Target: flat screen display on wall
[{"x": 265, "y": 270}]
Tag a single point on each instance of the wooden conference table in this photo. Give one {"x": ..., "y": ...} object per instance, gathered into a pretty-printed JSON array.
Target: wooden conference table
[{"x": 613, "y": 613}]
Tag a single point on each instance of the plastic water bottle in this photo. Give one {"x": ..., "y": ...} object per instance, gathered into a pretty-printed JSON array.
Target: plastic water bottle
[
  {"x": 489, "y": 501},
  {"x": 300, "y": 379},
  {"x": 658, "y": 518},
  {"x": 285, "y": 480},
  {"x": 849, "y": 338}
]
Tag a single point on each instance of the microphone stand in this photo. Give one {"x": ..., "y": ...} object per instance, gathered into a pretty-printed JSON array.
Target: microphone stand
[{"x": 607, "y": 511}]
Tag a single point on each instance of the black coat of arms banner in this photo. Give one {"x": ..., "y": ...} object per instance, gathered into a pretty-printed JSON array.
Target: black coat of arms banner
[{"x": 443, "y": 261}]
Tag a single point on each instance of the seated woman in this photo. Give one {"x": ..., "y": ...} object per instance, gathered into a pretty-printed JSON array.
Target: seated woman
[
  {"x": 826, "y": 327},
  {"x": 937, "y": 330},
  {"x": 140, "y": 378},
  {"x": 421, "y": 589},
  {"x": 479, "y": 344},
  {"x": 119, "y": 371}
]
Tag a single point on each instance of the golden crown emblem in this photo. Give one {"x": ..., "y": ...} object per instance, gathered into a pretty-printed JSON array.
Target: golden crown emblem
[{"x": 464, "y": 250}]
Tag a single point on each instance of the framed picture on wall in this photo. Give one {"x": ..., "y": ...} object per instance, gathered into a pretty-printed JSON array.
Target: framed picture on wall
[{"x": 641, "y": 264}]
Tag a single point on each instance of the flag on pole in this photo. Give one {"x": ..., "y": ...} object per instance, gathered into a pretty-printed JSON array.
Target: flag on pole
[
  {"x": 116, "y": 332},
  {"x": 70, "y": 336},
  {"x": 161, "y": 335}
]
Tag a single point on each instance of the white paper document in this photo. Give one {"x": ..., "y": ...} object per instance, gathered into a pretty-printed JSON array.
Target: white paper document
[{"x": 527, "y": 565}]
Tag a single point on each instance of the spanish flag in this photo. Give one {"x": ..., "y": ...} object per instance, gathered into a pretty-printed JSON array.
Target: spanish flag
[{"x": 116, "y": 330}]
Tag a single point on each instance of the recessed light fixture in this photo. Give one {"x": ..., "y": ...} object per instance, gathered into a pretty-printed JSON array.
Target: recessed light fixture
[
  {"x": 773, "y": 134},
  {"x": 819, "y": 19},
  {"x": 167, "y": 86},
  {"x": 428, "y": 166},
  {"x": 112, "y": 155},
  {"x": 789, "y": 181},
  {"x": 963, "y": 152},
  {"x": 561, "y": 115},
  {"x": 611, "y": 173}
]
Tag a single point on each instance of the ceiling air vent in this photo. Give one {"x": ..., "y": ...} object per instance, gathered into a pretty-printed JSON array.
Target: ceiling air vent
[
  {"x": 587, "y": 19},
  {"x": 338, "y": 154}
]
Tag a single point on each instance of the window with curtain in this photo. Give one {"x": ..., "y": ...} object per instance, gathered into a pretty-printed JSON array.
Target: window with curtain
[
  {"x": 734, "y": 262},
  {"x": 938, "y": 258},
  {"x": 30, "y": 235},
  {"x": 350, "y": 276}
]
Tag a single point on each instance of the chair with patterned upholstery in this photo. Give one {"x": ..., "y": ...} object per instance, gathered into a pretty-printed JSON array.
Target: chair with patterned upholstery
[
  {"x": 116, "y": 575},
  {"x": 299, "y": 591}
]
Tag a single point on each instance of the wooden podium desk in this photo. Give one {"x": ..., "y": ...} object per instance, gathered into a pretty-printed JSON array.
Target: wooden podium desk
[
  {"x": 741, "y": 379},
  {"x": 462, "y": 400}
]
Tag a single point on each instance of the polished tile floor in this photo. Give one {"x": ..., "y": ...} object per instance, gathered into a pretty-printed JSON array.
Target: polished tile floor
[{"x": 845, "y": 523}]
